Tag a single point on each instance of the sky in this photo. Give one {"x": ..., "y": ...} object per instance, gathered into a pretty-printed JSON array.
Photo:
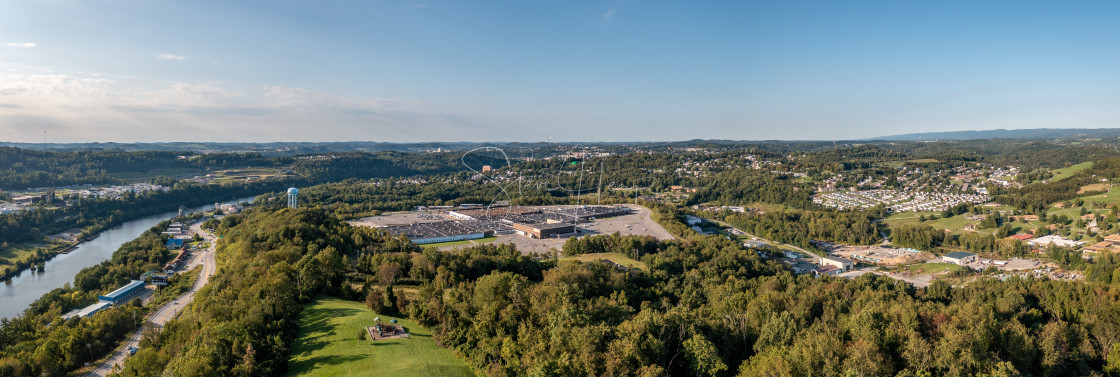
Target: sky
[{"x": 535, "y": 70}]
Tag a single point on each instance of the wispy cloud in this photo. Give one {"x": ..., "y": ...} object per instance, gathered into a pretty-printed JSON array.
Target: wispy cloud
[
  {"x": 23, "y": 45},
  {"x": 170, "y": 57},
  {"x": 608, "y": 15},
  {"x": 87, "y": 107}
]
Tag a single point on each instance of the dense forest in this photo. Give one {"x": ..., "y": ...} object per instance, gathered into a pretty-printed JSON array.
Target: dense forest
[
  {"x": 799, "y": 227},
  {"x": 745, "y": 187},
  {"x": 24, "y": 168}
]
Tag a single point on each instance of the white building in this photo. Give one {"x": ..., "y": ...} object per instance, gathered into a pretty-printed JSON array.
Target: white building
[
  {"x": 959, "y": 258},
  {"x": 841, "y": 263},
  {"x": 1045, "y": 241}
]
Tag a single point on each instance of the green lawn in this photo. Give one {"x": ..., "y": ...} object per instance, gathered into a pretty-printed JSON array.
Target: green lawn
[
  {"x": 952, "y": 223},
  {"x": 613, "y": 257},
  {"x": 462, "y": 243},
  {"x": 1063, "y": 173},
  {"x": 956, "y": 223},
  {"x": 933, "y": 268},
  {"x": 328, "y": 346},
  {"x": 16, "y": 252},
  {"x": 1102, "y": 200}
]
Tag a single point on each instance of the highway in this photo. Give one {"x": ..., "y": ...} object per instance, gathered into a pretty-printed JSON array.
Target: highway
[{"x": 169, "y": 310}]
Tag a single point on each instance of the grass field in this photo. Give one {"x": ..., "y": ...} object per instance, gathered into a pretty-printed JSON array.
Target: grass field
[
  {"x": 15, "y": 253},
  {"x": 462, "y": 243},
  {"x": 1102, "y": 200},
  {"x": 328, "y": 346},
  {"x": 933, "y": 268},
  {"x": 956, "y": 224},
  {"x": 1063, "y": 173},
  {"x": 953, "y": 223},
  {"x": 1094, "y": 187},
  {"x": 613, "y": 257}
]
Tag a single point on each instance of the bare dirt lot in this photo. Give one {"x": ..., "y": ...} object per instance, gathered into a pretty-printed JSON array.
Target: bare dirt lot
[{"x": 880, "y": 255}]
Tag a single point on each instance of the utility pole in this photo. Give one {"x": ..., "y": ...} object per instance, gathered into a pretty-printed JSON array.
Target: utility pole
[{"x": 599, "y": 194}]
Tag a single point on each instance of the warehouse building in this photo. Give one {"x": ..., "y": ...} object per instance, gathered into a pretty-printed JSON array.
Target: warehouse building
[
  {"x": 88, "y": 311},
  {"x": 124, "y": 294},
  {"x": 959, "y": 258},
  {"x": 448, "y": 231},
  {"x": 841, "y": 263},
  {"x": 457, "y": 237},
  {"x": 544, "y": 230}
]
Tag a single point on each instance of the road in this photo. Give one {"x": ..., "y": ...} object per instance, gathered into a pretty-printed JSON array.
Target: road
[
  {"x": 815, "y": 258},
  {"x": 918, "y": 281},
  {"x": 169, "y": 310}
]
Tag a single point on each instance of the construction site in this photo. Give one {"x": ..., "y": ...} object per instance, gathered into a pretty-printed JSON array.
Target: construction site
[{"x": 881, "y": 256}]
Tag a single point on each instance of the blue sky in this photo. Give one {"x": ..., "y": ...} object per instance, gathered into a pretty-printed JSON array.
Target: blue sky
[{"x": 530, "y": 70}]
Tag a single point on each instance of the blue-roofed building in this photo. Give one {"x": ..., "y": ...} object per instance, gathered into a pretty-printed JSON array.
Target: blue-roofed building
[
  {"x": 88, "y": 311},
  {"x": 174, "y": 244},
  {"x": 124, "y": 294}
]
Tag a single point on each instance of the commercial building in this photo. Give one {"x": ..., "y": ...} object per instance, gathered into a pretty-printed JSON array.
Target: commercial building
[
  {"x": 156, "y": 277},
  {"x": 124, "y": 294},
  {"x": 841, "y": 263},
  {"x": 88, "y": 311},
  {"x": 544, "y": 230},
  {"x": 474, "y": 223},
  {"x": 458, "y": 237},
  {"x": 29, "y": 199},
  {"x": 959, "y": 258},
  {"x": 1111, "y": 244},
  {"x": 174, "y": 244},
  {"x": 447, "y": 231},
  {"x": 1042, "y": 242},
  {"x": 827, "y": 270}
]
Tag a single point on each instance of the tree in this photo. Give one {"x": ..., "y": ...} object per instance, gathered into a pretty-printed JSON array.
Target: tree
[
  {"x": 388, "y": 273},
  {"x": 390, "y": 302},
  {"x": 704, "y": 357},
  {"x": 1003, "y": 231},
  {"x": 375, "y": 300}
]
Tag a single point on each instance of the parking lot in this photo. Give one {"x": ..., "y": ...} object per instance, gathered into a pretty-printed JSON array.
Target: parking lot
[
  {"x": 401, "y": 218},
  {"x": 429, "y": 224},
  {"x": 637, "y": 222}
]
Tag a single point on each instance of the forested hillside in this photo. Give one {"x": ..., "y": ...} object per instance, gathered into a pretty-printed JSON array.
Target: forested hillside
[
  {"x": 706, "y": 306},
  {"x": 24, "y": 168}
]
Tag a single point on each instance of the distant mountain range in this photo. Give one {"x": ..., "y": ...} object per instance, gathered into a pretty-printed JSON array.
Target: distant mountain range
[{"x": 1034, "y": 133}]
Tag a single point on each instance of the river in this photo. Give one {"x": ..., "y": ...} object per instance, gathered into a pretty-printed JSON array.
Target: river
[{"x": 18, "y": 294}]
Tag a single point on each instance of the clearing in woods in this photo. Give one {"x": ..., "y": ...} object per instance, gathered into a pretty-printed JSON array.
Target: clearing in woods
[{"x": 328, "y": 345}]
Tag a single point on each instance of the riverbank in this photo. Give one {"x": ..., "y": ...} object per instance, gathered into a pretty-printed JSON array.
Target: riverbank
[
  {"x": 22, "y": 290},
  {"x": 33, "y": 257}
]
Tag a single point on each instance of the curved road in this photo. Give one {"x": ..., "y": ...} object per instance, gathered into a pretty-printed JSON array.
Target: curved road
[
  {"x": 169, "y": 310},
  {"x": 812, "y": 256}
]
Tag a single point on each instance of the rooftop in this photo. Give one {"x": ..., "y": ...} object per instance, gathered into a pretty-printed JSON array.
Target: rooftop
[
  {"x": 959, "y": 255},
  {"x": 124, "y": 290}
]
